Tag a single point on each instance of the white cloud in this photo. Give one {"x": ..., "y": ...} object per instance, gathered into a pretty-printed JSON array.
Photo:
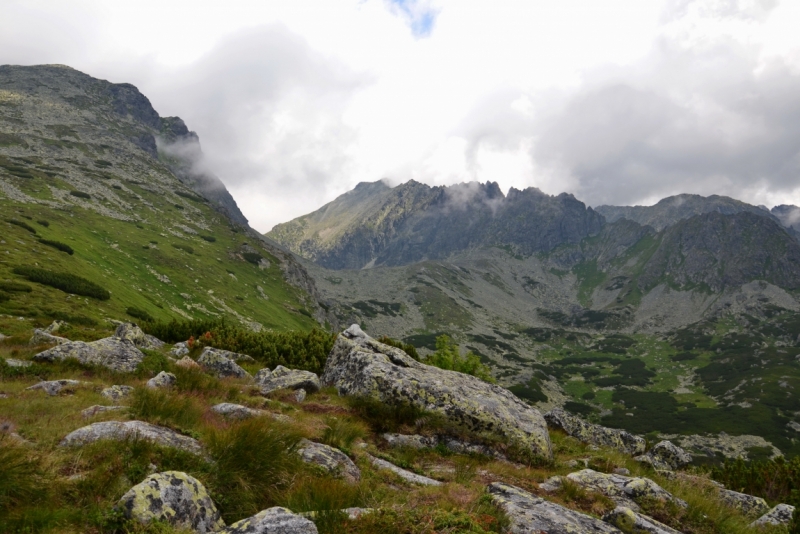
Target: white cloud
[{"x": 295, "y": 101}]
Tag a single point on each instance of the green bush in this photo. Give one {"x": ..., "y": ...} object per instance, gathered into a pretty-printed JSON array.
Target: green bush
[
  {"x": 44, "y": 223},
  {"x": 138, "y": 313},
  {"x": 80, "y": 194},
  {"x": 15, "y": 287},
  {"x": 4, "y": 297},
  {"x": 66, "y": 282},
  {"x": 63, "y": 247},
  {"x": 405, "y": 347},
  {"x": 189, "y": 196},
  {"x": 209, "y": 238},
  {"x": 447, "y": 356},
  {"x": 252, "y": 257},
  {"x": 777, "y": 481},
  {"x": 22, "y": 224},
  {"x": 185, "y": 248}
]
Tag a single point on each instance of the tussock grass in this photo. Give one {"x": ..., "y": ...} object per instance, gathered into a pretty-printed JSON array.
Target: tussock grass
[
  {"x": 342, "y": 432},
  {"x": 23, "y": 478},
  {"x": 162, "y": 407}
]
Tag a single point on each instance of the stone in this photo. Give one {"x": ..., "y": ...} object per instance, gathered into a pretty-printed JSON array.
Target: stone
[
  {"x": 136, "y": 335},
  {"x": 12, "y": 362},
  {"x": 42, "y": 337},
  {"x": 274, "y": 520},
  {"x": 162, "y": 380},
  {"x": 625, "y": 491},
  {"x": 179, "y": 349},
  {"x": 408, "y": 476},
  {"x": 232, "y": 356},
  {"x": 217, "y": 362},
  {"x": 91, "y": 411},
  {"x": 54, "y": 387},
  {"x": 586, "y": 432},
  {"x": 117, "y": 430},
  {"x": 552, "y": 484},
  {"x": 632, "y": 522},
  {"x": 54, "y": 326},
  {"x": 780, "y": 515},
  {"x": 187, "y": 363},
  {"x": 236, "y": 411},
  {"x": 300, "y": 395},
  {"x": 747, "y": 504},
  {"x": 361, "y": 366},
  {"x": 175, "y": 498},
  {"x": 665, "y": 456},
  {"x": 283, "y": 378},
  {"x": 529, "y": 514},
  {"x": 331, "y": 460},
  {"x": 117, "y": 393},
  {"x": 621, "y": 471},
  {"x": 458, "y": 446},
  {"x": 413, "y": 441},
  {"x": 111, "y": 352}
]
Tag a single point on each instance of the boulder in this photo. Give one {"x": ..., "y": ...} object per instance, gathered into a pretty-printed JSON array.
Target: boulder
[
  {"x": 13, "y": 362},
  {"x": 632, "y": 522},
  {"x": 746, "y": 504},
  {"x": 42, "y": 337},
  {"x": 232, "y": 356},
  {"x": 179, "y": 349},
  {"x": 187, "y": 363},
  {"x": 585, "y": 432},
  {"x": 217, "y": 362},
  {"x": 117, "y": 393},
  {"x": 91, "y": 411},
  {"x": 331, "y": 460},
  {"x": 300, "y": 395},
  {"x": 118, "y": 430},
  {"x": 175, "y": 498},
  {"x": 625, "y": 491},
  {"x": 111, "y": 352},
  {"x": 665, "y": 456},
  {"x": 136, "y": 335},
  {"x": 275, "y": 520},
  {"x": 283, "y": 378},
  {"x": 54, "y": 387},
  {"x": 413, "y": 441},
  {"x": 408, "y": 476},
  {"x": 529, "y": 514},
  {"x": 780, "y": 515},
  {"x": 236, "y": 411},
  {"x": 361, "y": 366},
  {"x": 162, "y": 380}
]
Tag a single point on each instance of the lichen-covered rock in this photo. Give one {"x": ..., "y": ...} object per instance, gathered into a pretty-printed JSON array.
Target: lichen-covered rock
[
  {"x": 136, "y": 335},
  {"x": 632, "y": 522},
  {"x": 458, "y": 446},
  {"x": 54, "y": 387},
  {"x": 236, "y": 411},
  {"x": 665, "y": 456},
  {"x": 13, "y": 362},
  {"x": 162, "y": 380},
  {"x": 91, "y": 411},
  {"x": 780, "y": 515},
  {"x": 283, "y": 378},
  {"x": 300, "y": 395},
  {"x": 118, "y": 430},
  {"x": 111, "y": 352},
  {"x": 117, "y": 393},
  {"x": 625, "y": 491},
  {"x": 232, "y": 356},
  {"x": 402, "y": 473},
  {"x": 42, "y": 337},
  {"x": 746, "y": 504},
  {"x": 175, "y": 498},
  {"x": 361, "y": 366},
  {"x": 529, "y": 514},
  {"x": 587, "y": 432},
  {"x": 179, "y": 349},
  {"x": 217, "y": 362},
  {"x": 413, "y": 441},
  {"x": 329, "y": 459},
  {"x": 275, "y": 520}
]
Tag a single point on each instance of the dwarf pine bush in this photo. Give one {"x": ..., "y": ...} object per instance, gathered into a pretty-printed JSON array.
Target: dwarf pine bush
[{"x": 66, "y": 282}]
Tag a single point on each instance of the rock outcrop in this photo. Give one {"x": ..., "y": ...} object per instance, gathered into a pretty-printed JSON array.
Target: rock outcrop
[
  {"x": 136, "y": 335},
  {"x": 162, "y": 380},
  {"x": 218, "y": 362},
  {"x": 116, "y": 392},
  {"x": 118, "y": 430},
  {"x": 179, "y": 349},
  {"x": 274, "y": 520},
  {"x": 175, "y": 498},
  {"x": 458, "y": 446},
  {"x": 625, "y": 491},
  {"x": 236, "y": 411},
  {"x": 666, "y": 456},
  {"x": 54, "y": 387},
  {"x": 329, "y": 459},
  {"x": 632, "y": 522},
  {"x": 91, "y": 411},
  {"x": 361, "y": 366},
  {"x": 530, "y": 514},
  {"x": 601, "y": 436},
  {"x": 43, "y": 337},
  {"x": 111, "y": 352},
  {"x": 283, "y": 378},
  {"x": 746, "y": 504},
  {"x": 780, "y": 515}
]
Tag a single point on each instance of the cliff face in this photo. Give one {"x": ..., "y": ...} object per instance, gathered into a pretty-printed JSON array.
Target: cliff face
[{"x": 377, "y": 225}]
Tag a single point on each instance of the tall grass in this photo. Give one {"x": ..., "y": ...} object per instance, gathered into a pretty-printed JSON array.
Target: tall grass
[
  {"x": 162, "y": 407},
  {"x": 23, "y": 479},
  {"x": 341, "y": 432}
]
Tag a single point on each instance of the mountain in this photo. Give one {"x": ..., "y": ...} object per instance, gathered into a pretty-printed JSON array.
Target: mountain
[
  {"x": 95, "y": 184},
  {"x": 377, "y": 225},
  {"x": 670, "y": 210}
]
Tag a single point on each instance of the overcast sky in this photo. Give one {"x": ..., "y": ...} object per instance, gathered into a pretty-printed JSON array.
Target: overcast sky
[{"x": 295, "y": 102}]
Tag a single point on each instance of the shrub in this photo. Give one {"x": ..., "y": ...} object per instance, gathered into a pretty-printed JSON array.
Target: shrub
[
  {"x": 63, "y": 247},
  {"x": 185, "y": 248},
  {"x": 22, "y": 224},
  {"x": 15, "y": 287},
  {"x": 252, "y": 257},
  {"x": 138, "y": 313},
  {"x": 447, "y": 356},
  {"x": 209, "y": 238},
  {"x": 253, "y": 462},
  {"x": 188, "y": 196},
  {"x": 383, "y": 417},
  {"x": 683, "y": 356},
  {"x": 4, "y": 297},
  {"x": 80, "y": 194},
  {"x": 775, "y": 480},
  {"x": 405, "y": 347},
  {"x": 44, "y": 222},
  {"x": 66, "y": 282}
]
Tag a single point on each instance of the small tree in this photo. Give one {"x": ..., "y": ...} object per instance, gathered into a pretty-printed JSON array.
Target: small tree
[{"x": 448, "y": 356}]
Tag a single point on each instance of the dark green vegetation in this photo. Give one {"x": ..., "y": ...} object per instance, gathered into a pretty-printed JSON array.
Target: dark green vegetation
[
  {"x": 448, "y": 356},
  {"x": 63, "y": 247},
  {"x": 69, "y": 283}
]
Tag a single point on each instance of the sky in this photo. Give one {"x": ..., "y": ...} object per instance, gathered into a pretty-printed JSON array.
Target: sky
[{"x": 297, "y": 101}]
